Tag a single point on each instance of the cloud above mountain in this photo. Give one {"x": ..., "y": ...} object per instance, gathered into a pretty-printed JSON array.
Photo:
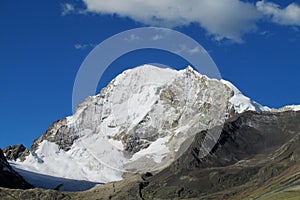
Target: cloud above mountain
[
  {"x": 67, "y": 8},
  {"x": 222, "y": 19},
  {"x": 284, "y": 16}
]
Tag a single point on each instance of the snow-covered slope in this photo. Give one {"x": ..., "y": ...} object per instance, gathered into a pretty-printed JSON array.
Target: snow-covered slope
[
  {"x": 242, "y": 103},
  {"x": 137, "y": 123}
]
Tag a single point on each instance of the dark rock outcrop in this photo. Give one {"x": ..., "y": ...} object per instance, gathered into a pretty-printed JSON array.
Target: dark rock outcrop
[
  {"x": 16, "y": 151},
  {"x": 57, "y": 133},
  {"x": 9, "y": 178}
]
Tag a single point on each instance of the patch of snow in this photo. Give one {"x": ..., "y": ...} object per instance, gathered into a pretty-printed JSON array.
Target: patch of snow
[
  {"x": 182, "y": 128},
  {"x": 157, "y": 150},
  {"x": 117, "y": 144},
  {"x": 146, "y": 74},
  {"x": 291, "y": 107},
  {"x": 294, "y": 107}
]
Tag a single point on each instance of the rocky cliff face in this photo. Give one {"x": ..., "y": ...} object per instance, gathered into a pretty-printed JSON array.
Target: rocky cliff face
[{"x": 16, "y": 152}]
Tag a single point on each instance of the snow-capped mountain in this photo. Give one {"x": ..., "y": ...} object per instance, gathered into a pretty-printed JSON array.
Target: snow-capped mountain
[
  {"x": 290, "y": 108},
  {"x": 142, "y": 121}
]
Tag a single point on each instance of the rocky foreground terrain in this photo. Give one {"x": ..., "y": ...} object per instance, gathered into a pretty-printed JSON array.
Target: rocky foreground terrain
[{"x": 256, "y": 157}]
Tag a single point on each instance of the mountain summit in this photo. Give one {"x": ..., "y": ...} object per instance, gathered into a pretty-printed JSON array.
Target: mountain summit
[{"x": 141, "y": 122}]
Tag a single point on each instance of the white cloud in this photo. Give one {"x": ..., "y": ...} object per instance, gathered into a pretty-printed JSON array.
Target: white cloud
[
  {"x": 194, "y": 50},
  {"x": 67, "y": 9},
  {"x": 222, "y": 19},
  {"x": 229, "y": 19},
  {"x": 84, "y": 46},
  {"x": 289, "y": 15},
  {"x": 157, "y": 37},
  {"x": 132, "y": 37},
  {"x": 266, "y": 33},
  {"x": 189, "y": 50}
]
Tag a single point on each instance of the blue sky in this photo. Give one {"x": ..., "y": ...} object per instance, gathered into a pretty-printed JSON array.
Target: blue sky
[{"x": 255, "y": 44}]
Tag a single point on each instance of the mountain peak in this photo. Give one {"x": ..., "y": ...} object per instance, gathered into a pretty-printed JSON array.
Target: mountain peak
[{"x": 189, "y": 68}]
